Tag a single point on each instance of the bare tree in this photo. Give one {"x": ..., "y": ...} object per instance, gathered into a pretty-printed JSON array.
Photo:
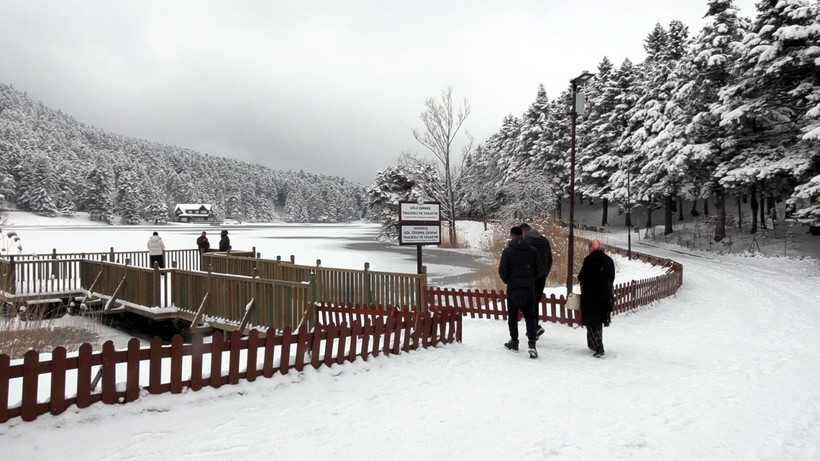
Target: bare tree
[{"x": 442, "y": 122}]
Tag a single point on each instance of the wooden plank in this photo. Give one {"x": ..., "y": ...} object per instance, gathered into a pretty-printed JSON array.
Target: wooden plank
[
  {"x": 367, "y": 332},
  {"x": 217, "y": 345},
  {"x": 132, "y": 383},
  {"x": 355, "y": 333},
  {"x": 197, "y": 350},
  {"x": 58, "y": 381},
  {"x": 253, "y": 344},
  {"x": 109, "y": 373},
  {"x": 5, "y": 377},
  {"x": 176, "y": 364},
  {"x": 284, "y": 352},
  {"x": 30, "y": 381},
  {"x": 233, "y": 358},
  {"x": 84, "y": 376},
  {"x": 344, "y": 333},
  {"x": 155, "y": 366}
]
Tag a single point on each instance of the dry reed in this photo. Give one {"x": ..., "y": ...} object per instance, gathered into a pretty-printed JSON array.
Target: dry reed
[
  {"x": 558, "y": 237},
  {"x": 18, "y": 336}
]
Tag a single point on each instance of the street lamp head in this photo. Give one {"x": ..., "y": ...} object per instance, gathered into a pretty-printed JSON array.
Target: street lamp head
[{"x": 581, "y": 79}]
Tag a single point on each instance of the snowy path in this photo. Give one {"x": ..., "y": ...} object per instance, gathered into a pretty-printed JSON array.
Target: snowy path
[{"x": 725, "y": 370}]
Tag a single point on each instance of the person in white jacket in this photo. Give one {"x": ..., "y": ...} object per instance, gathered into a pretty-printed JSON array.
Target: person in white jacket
[{"x": 156, "y": 251}]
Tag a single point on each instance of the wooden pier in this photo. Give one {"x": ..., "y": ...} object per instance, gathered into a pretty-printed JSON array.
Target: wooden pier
[{"x": 236, "y": 291}]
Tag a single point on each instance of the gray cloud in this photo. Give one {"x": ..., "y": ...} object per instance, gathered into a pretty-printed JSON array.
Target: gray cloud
[{"x": 326, "y": 86}]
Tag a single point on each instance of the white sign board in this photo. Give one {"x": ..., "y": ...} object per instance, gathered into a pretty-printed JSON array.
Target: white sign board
[
  {"x": 411, "y": 234},
  {"x": 419, "y": 212}
]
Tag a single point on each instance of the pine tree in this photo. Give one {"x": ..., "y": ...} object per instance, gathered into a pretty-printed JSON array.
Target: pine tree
[
  {"x": 596, "y": 157},
  {"x": 771, "y": 108},
  {"x": 98, "y": 199},
  {"x": 702, "y": 142}
]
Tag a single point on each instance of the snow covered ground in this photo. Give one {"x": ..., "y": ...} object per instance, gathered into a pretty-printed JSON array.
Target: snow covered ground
[{"x": 724, "y": 370}]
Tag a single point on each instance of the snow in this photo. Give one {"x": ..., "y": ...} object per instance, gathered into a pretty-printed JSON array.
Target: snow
[{"x": 723, "y": 370}]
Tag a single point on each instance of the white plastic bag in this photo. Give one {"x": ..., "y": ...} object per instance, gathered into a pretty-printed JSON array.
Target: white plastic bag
[{"x": 573, "y": 301}]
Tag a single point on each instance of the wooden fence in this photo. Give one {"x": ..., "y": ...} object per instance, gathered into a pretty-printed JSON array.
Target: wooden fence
[
  {"x": 136, "y": 285},
  {"x": 628, "y": 296},
  {"x": 59, "y": 273},
  {"x": 119, "y": 376},
  {"x": 341, "y": 286},
  {"x": 252, "y": 301}
]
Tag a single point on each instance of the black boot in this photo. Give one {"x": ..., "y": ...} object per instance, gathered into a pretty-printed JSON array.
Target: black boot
[
  {"x": 599, "y": 352},
  {"x": 533, "y": 352},
  {"x": 512, "y": 345}
]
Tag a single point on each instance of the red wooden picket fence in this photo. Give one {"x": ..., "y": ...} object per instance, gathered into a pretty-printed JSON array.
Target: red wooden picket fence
[
  {"x": 628, "y": 296},
  {"x": 55, "y": 384}
]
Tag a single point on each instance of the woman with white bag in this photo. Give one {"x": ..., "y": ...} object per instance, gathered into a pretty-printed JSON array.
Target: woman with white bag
[{"x": 596, "y": 277}]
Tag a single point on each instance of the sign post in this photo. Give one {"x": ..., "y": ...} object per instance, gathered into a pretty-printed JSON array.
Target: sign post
[{"x": 419, "y": 224}]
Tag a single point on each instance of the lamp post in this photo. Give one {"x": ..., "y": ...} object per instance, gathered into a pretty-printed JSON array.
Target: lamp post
[{"x": 575, "y": 83}]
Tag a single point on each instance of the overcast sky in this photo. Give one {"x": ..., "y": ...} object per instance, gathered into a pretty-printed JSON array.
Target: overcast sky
[{"x": 331, "y": 87}]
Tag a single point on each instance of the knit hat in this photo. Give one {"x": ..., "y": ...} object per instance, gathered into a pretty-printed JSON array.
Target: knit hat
[
  {"x": 515, "y": 230},
  {"x": 596, "y": 245}
]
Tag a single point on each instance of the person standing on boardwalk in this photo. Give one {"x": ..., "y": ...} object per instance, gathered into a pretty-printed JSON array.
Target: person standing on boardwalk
[
  {"x": 542, "y": 244},
  {"x": 202, "y": 243},
  {"x": 224, "y": 242},
  {"x": 596, "y": 277},
  {"x": 520, "y": 265},
  {"x": 156, "y": 251}
]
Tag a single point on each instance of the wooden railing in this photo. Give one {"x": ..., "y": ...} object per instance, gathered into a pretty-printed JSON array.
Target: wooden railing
[
  {"x": 342, "y": 286},
  {"x": 136, "y": 285},
  {"x": 59, "y": 273},
  {"x": 119, "y": 376},
  {"x": 628, "y": 296},
  {"x": 185, "y": 259},
  {"x": 275, "y": 304}
]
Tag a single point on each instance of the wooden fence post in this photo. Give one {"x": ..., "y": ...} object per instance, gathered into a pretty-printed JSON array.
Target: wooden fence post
[
  {"x": 155, "y": 366},
  {"x": 109, "y": 373},
  {"x": 30, "y": 381},
  {"x": 156, "y": 282},
  {"x": 5, "y": 362},
  {"x": 366, "y": 295}
]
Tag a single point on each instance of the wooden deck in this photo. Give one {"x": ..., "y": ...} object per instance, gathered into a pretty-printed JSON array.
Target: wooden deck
[{"x": 239, "y": 292}]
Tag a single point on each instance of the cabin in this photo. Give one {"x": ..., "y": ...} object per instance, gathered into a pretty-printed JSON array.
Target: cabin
[{"x": 193, "y": 212}]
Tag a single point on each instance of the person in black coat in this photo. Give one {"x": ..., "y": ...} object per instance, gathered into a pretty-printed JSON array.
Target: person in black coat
[
  {"x": 224, "y": 242},
  {"x": 202, "y": 243},
  {"x": 596, "y": 277},
  {"x": 542, "y": 244},
  {"x": 520, "y": 265}
]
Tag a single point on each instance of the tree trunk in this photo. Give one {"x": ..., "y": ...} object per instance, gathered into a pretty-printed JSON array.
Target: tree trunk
[
  {"x": 739, "y": 215},
  {"x": 649, "y": 216},
  {"x": 667, "y": 214},
  {"x": 694, "y": 210},
  {"x": 680, "y": 209},
  {"x": 770, "y": 208},
  {"x": 754, "y": 206},
  {"x": 720, "y": 222},
  {"x": 706, "y": 207},
  {"x": 605, "y": 212},
  {"x": 762, "y": 210},
  {"x": 558, "y": 212}
]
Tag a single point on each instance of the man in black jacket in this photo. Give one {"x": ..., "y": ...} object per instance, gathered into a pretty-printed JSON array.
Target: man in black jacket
[
  {"x": 542, "y": 244},
  {"x": 597, "y": 276},
  {"x": 520, "y": 265}
]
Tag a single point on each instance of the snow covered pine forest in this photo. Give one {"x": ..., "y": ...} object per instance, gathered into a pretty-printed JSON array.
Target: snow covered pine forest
[
  {"x": 731, "y": 111},
  {"x": 52, "y": 164}
]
